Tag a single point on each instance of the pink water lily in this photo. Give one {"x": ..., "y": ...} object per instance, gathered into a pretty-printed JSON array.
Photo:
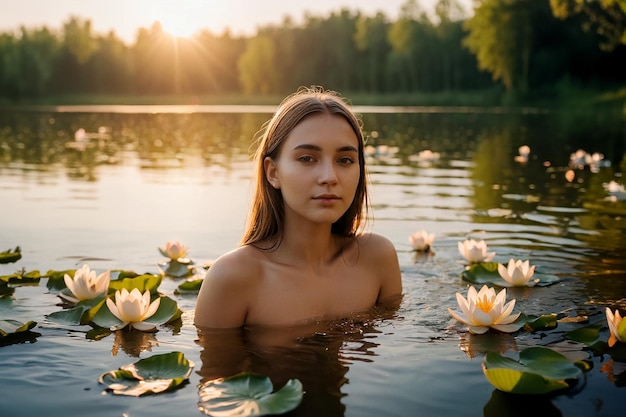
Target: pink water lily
[
  {"x": 614, "y": 321},
  {"x": 422, "y": 240},
  {"x": 174, "y": 250},
  {"x": 484, "y": 309},
  {"x": 475, "y": 251},
  {"x": 86, "y": 285},
  {"x": 132, "y": 308},
  {"x": 517, "y": 273}
]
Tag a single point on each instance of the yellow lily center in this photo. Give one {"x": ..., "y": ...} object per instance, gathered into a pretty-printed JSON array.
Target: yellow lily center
[{"x": 485, "y": 303}]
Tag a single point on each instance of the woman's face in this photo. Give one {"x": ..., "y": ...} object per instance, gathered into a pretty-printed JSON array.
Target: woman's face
[{"x": 317, "y": 169}]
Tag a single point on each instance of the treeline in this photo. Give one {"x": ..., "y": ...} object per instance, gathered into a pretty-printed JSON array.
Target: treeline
[{"x": 524, "y": 46}]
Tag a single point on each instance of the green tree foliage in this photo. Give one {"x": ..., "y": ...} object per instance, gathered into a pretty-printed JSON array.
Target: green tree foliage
[
  {"x": 500, "y": 35},
  {"x": 34, "y": 57},
  {"x": 371, "y": 42},
  {"x": 256, "y": 66},
  {"x": 606, "y": 17},
  {"x": 518, "y": 44}
]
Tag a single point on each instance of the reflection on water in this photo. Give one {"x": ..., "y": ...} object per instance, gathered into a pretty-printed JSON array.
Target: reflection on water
[
  {"x": 318, "y": 355},
  {"x": 116, "y": 190}
]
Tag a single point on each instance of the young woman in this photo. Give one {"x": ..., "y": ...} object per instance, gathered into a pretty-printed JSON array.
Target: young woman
[{"x": 304, "y": 255}]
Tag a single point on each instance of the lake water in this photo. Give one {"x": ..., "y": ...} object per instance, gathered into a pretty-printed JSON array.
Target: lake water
[{"x": 155, "y": 174}]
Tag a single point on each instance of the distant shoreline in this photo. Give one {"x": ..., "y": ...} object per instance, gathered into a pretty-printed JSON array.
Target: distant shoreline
[{"x": 492, "y": 98}]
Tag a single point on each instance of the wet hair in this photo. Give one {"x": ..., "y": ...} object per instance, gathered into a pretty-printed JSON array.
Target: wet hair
[{"x": 267, "y": 215}]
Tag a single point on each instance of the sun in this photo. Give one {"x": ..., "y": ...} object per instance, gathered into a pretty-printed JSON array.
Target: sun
[
  {"x": 177, "y": 18},
  {"x": 177, "y": 26}
]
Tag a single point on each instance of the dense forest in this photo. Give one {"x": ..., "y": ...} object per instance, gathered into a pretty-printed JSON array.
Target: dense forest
[{"x": 522, "y": 48}]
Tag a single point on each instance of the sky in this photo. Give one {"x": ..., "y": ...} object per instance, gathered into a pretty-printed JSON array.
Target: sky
[{"x": 182, "y": 17}]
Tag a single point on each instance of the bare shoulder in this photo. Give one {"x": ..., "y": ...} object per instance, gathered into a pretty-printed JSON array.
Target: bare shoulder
[
  {"x": 236, "y": 265},
  {"x": 228, "y": 288},
  {"x": 376, "y": 247}
]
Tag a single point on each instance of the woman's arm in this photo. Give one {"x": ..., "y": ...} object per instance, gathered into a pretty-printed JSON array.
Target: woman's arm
[{"x": 384, "y": 260}]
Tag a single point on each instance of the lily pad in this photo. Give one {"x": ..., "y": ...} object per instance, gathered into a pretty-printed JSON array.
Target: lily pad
[
  {"x": 177, "y": 269},
  {"x": 14, "y": 332},
  {"x": 542, "y": 322},
  {"x": 9, "y": 327},
  {"x": 540, "y": 370},
  {"x": 587, "y": 335},
  {"x": 82, "y": 313},
  {"x": 56, "y": 279},
  {"x": 9, "y": 255},
  {"x": 143, "y": 282},
  {"x": 487, "y": 273},
  {"x": 246, "y": 395},
  {"x": 153, "y": 375},
  {"x": 22, "y": 278},
  {"x": 167, "y": 312},
  {"x": 190, "y": 286}
]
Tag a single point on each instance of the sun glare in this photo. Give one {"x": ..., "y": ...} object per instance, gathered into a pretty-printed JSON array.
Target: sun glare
[
  {"x": 179, "y": 19},
  {"x": 177, "y": 26}
]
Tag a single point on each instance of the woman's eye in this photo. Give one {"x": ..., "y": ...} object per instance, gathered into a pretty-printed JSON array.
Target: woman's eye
[
  {"x": 346, "y": 160},
  {"x": 305, "y": 158}
]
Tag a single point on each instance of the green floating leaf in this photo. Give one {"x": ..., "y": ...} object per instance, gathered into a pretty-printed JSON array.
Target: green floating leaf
[
  {"x": 540, "y": 370},
  {"x": 487, "y": 273},
  {"x": 22, "y": 278},
  {"x": 153, "y": 375},
  {"x": 246, "y": 395},
  {"x": 167, "y": 312},
  {"x": 143, "y": 282},
  {"x": 9, "y": 256},
  {"x": 56, "y": 279},
  {"x": 13, "y": 331},
  {"x": 191, "y": 286},
  {"x": 587, "y": 335},
  {"x": 543, "y": 322},
  {"x": 9, "y": 327},
  {"x": 82, "y": 313},
  {"x": 176, "y": 269}
]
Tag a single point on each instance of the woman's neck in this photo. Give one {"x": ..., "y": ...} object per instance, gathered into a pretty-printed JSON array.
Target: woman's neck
[{"x": 309, "y": 246}]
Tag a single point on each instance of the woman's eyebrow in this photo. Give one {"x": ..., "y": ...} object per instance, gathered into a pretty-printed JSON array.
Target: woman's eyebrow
[{"x": 311, "y": 147}]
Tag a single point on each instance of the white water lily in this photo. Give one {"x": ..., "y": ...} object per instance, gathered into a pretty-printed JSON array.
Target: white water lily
[
  {"x": 517, "y": 273},
  {"x": 85, "y": 285},
  {"x": 133, "y": 308},
  {"x": 614, "y": 321},
  {"x": 422, "y": 240},
  {"x": 475, "y": 251},
  {"x": 484, "y": 309},
  {"x": 174, "y": 250}
]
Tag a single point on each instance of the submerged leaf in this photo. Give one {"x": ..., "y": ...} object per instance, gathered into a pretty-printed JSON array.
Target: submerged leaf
[
  {"x": 486, "y": 273},
  {"x": 247, "y": 395},
  {"x": 153, "y": 375},
  {"x": 539, "y": 370}
]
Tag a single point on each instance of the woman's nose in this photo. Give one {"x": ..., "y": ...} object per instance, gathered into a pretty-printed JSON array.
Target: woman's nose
[{"x": 328, "y": 175}]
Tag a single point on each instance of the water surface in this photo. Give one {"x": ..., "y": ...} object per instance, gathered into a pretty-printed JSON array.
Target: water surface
[{"x": 152, "y": 175}]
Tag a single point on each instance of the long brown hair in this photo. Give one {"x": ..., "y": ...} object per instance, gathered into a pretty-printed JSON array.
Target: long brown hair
[{"x": 266, "y": 219}]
